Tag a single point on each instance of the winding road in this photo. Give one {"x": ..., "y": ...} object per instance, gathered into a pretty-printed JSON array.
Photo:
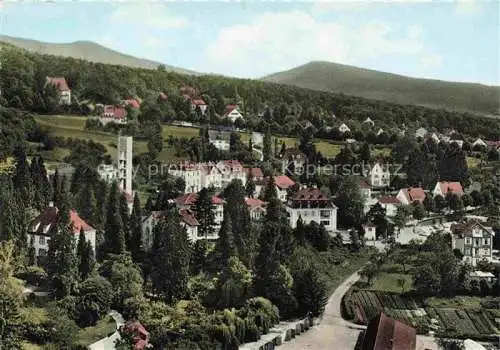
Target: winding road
[
  {"x": 333, "y": 332},
  {"x": 108, "y": 343}
]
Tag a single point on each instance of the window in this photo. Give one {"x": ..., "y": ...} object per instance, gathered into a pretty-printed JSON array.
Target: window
[
  {"x": 325, "y": 222},
  {"x": 325, "y": 213},
  {"x": 486, "y": 241},
  {"x": 41, "y": 240},
  {"x": 468, "y": 240},
  {"x": 477, "y": 241}
]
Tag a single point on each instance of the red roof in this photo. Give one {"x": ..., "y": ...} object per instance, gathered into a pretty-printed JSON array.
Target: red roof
[
  {"x": 191, "y": 198},
  {"x": 188, "y": 217},
  {"x": 44, "y": 224},
  {"x": 186, "y": 97},
  {"x": 230, "y": 108},
  {"x": 59, "y": 82},
  {"x": 385, "y": 333},
  {"x": 415, "y": 194},
  {"x": 283, "y": 182},
  {"x": 364, "y": 184},
  {"x": 254, "y": 202},
  {"x": 311, "y": 194},
  {"x": 198, "y": 102},
  {"x": 163, "y": 96},
  {"x": 141, "y": 335},
  {"x": 255, "y": 172},
  {"x": 455, "y": 187},
  {"x": 389, "y": 200},
  {"x": 116, "y": 112},
  {"x": 132, "y": 102}
]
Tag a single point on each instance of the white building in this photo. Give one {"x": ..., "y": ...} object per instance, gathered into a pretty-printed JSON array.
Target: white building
[
  {"x": 369, "y": 121},
  {"x": 343, "y": 128},
  {"x": 113, "y": 113},
  {"x": 370, "y": 232},
  {"x": 188, "y": 200},
  {"x": 379, "y": 175},
  {"x": 380, "y": 131},
  {"x": 256, "y": 207},
  {"x": 474, "y": 240},
  {"x": 62, "y": 88},
  {"x": 281, "y": 183},
  {"x": 125, "y": 166},
  {"x": 204, "y": 175},
  {"x": 222, "y": 145},
  {"x": 390, "y": 204},
  {"x": 107, "y": 172},
  {"x": 44, "y": 226},
  {"x": 411, "y": 194},
  {"x": 311, "y": 204},
  {"x": 257, "y": 139},
  {"x": 420, "y": 133},
  {"x": 479, "y": 143},
  {"x": 292, "y": 159},
  {"x": 232, "y": 113},
  {"x": 443, "y": 187}
]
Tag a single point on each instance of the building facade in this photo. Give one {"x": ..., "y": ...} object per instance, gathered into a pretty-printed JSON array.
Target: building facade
[
  {"x": 474, "y": 240},
  {"x": 380, "y": 175},
  {"x": 311, "y": 204},
  {"x": 62, "y": 88}
]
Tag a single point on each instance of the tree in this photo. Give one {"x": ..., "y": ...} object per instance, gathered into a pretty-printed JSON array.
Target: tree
[
  {"x": 429, "y": 204},
  {"x": 310, "y": 291},
  {"x": 269, "y": 190},
  {"x": 233, "y": 285},
  {"x": 418, "y": 210},
  {"x": 85, "y": 256},
  {"x": 369, "y": 271},
  {"x": 205, "y": 213},
  {"x": 365, "y": 153},
  {"x": 250, "y": 185},
  {"x": 225, "y": 247},
  {"x": 170, "y": 259},
  {"x": 439, "y": 203},
  {"x": 94, "y": 300},
  {"x": 402, "y": 283},
  {"x": 124, "y": 212},
  {"x": 135, "y": 242},
  {"x": 86, "y": 205},
  {"x": 426, "y": 279},
  {"x": 62, "y": 262},
  {"x": 267, "y": 145},
  {"x": 199, "y": 256},
  {"x": 114, "y": 236},
  {"x": 350, "y": 203}
]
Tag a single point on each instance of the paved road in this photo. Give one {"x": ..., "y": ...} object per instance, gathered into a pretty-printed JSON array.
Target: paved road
[
  {"x": 333, "y": 332},
  {"x": 108, "y": 343}
]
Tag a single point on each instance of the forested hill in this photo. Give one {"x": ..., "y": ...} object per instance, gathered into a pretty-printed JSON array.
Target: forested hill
[
  {"x": 284, "y": 108},
  {"x": 89, "y": 51},
  {"x": 334, "y": 77}
]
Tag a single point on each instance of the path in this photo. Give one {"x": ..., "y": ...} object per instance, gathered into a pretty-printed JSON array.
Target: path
[
  {"x": 108, "y": 343},
  {"x": 333, "y": 332}
]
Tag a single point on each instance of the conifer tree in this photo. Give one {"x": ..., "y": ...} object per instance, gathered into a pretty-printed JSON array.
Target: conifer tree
[
  {"x": 170, "y": 259},
  {"x": 225, "y": 247},
  {"x": 205, "y": 214},
  {"x": 32, "y": 252},
  {"x": 270, "y": 190},
  {"x": 124, "y": 216},
  {"x": 114, "y": 237},
  {"x": 100, "y": 195},
  {"x": 135, "y": 242},
  {"x": 22, "y": 178},
  {"x": 85, "y": 203},
  {"x": 85, "y": 256},
  {"x": 250, "y": 185},
  {"x": 267, "y": 145},
  {"x": 56, "y": 187}
]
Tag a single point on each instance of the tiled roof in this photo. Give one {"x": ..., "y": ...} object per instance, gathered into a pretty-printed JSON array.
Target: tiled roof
[
  {"x": 163, "y": 96},
  {"x": 59, "y": 82},
  {"x": 389, "y": 200},
  {"x": 188, "y": 217},
  {"x": 283, "y": 182},
  {"x": 364, "y": 184},
  {"x": 230, "y": 108},
  {"x": 465, "y": 228},
  {"x": 191, "y": 198},
  {"x": 385, "y": 333},
  {"x": 113, "y": 111},
  {"x": 254, "y": 202},
  {"x": 311, "y": 194},
  {"x": 415, "y": 194},
  {"x": 46, "y": 222},
  {"x": 198, "y": 102},
  {"x": 455, "y": 187},
  {"x": 132, "y": 102},
  {"x": 256, "y": 172}
]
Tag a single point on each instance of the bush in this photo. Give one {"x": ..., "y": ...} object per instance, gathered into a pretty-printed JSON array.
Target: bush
[{"x": 94, "y": 300}]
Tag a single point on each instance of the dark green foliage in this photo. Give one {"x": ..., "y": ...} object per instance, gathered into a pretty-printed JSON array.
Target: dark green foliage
[
  {"x": 350, "y": 203},
  {"x": 134, "y": 244},
  {"x": 170, "y": 259},
  {"x": 85, "y": 256},
  {"x": 267, "y": 145},
  {"x": 94, "y": 300},
  {"x": 205, "y": 213},
  {"x": 310, "y": 291},
  {"x": 225, "y": 247},
  {"x": 199, "y": 256},
  {"x": 114, "y": 235}
]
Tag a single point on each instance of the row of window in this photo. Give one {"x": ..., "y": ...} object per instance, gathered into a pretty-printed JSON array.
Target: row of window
[{"x": 477, "y": 241}]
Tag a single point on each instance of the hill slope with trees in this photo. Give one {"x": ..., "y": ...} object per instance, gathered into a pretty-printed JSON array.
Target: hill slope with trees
[{"x": 334, "y": 77}]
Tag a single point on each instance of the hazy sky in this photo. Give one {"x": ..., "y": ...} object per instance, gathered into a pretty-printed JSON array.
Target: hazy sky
[{"x": 438, "y": 39}]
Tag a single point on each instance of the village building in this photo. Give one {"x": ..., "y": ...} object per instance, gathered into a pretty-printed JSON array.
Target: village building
[
  {"x": 198, "y": 102},
  {"x": 369, "y": 121},
  {"x": 232, "y": 112},
  {"x": 44, "y": 226},
  {"x": 343, "y": 128},
  {"x": 256, "y": 208},
  {"x": 478, "y": 143},
  {"x": 474, "y": 240},
  {"x": 113, "y": 113},
  {"x": 370, "y": 232},
  {"x": 390, "y": 204},
  {"x": 188, "y": 201},
  {"x": 379, "y": 175},
  {"x": 385, "y": 333},
  {"x": 257, "y": 139},
  {"x": 311, "y": 204},
  {"x": 292, "y": 159},
  {"x": 107, "y": 172},
  {"x": 442, "y": 188},
  {"x": 62, "y": 88},
  {"x": 420, "y": 133},
  {"x": 139, "y": 334},
  {"x": 410, "y": 195}
]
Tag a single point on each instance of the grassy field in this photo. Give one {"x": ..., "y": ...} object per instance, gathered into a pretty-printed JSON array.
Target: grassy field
[
  {"x": 73, "y": 126},
  {"x": 472, "y": 162},
  {"x": 388, "y": 282},
  {"x": 102, "y": 329}
]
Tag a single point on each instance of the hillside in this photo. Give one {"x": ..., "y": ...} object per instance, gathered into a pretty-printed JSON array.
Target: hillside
[
  {"x": 333, "y": 77},
  {"x": 89, "y": 51}
]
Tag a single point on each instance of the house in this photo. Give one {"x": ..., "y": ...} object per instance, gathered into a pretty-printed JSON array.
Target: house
[
  {"x": 255, "y": 173},
  {"x": 343, "y": 128},
  {"x": 443, "y": 187},
  {"x": 221, "y": 145},
  {"x": 370, "y": 232},
  {"x": 190, "y": 223},
  {"x": 283, "y": 183},
  {"x": 390, "y": 204},
  {"x": 44, "y": 226},
  {"x": 107, "y": 172},
  {"x": 292, "y": 159},
  {"x": 369, "y": 121},
  {"x": 232, "y": 113},
  {"x": 379, "y": 175},
  {"x": 479, "y": 144},
  {"x": 365, "y": 189},
  {"x": 257, "y": 139},
  {"x": 113, "y": 113},
  {"x": 420, "y": 133},
  {"x": 139, "y": 334},
  {"x": 411, "y": 194},
  {"x": 433, "y": 136},
  {"x": 256, "y": 207},
  {"x": 380, "y": 131},
  {"x": 198, "y": 103},
  {"x": 187, "y": 201},
  {"x": 220, "y": 139},
  {"x": 311, "y": 204},
  {"x": 62, "y": 88},
  {"x": 385, "y": 333},
  {"x": 204, "y": 175},
  {"x": 474, "y": 240},
  {"x": 132, "y": 102}
]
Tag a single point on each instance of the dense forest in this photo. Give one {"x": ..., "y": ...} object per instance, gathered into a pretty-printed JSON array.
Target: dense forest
[{"x": 283, "y": 108}]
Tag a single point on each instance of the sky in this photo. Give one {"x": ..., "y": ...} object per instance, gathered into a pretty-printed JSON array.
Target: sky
[{"x": 438, "y": 39}]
